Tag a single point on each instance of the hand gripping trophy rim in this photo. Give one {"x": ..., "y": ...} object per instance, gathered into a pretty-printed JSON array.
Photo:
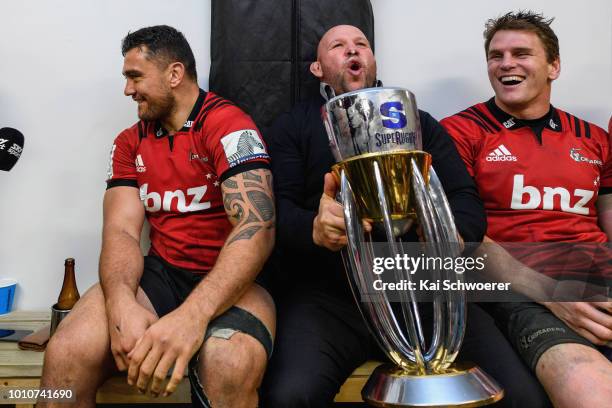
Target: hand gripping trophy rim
[{"x": 420, "y": 376}]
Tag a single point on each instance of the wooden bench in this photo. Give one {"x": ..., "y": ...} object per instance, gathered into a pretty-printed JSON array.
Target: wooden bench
[{"x": 22, "y": 369}]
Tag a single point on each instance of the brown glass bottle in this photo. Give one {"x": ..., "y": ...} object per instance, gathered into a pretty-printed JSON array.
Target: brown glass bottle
[{"x": 69, "y": 294}]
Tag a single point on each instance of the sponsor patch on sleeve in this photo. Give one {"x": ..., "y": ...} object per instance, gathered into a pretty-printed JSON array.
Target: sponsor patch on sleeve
[{"x": 243, "y": 145}]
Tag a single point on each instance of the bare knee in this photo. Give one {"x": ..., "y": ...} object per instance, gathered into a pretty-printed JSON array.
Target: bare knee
[
  {"x": 80, "y": 342},
  {"x": 237, "y": 364},
  {"x": 575, "y": 375},
  {"x": 63, "y": 348},
  {"x": 232, "y": 370}
]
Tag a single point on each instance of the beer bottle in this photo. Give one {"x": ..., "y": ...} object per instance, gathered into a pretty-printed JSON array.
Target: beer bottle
[{"x": 69, "y": 294}]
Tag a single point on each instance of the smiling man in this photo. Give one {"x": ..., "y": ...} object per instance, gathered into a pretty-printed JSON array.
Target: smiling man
[
  {"x": 545, "y": 176},
  {"x": 195, "y": 167}
]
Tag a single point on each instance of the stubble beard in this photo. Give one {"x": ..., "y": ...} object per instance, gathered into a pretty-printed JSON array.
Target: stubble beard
[
  {"x": 344, "y": 83},
  {"x": 160, "y": 109}
]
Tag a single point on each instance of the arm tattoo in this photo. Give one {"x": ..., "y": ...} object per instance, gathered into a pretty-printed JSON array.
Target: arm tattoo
[
  {"x": 233, "y": 203},
  {"x": 229, "y": 183},
  {"x": 262, "y": 203},
  {"x": 248, "y": 202},
  {"x": 237, "y": 211},
  {"x": 246, "y": 233},
  {"x": 229, "y": 198},
  {"x": 251, "y": 218},
  {"x": 251, "y": 175}
]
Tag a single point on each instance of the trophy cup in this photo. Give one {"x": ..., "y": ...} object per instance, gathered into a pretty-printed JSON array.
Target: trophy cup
[{"x": 386, "y": 178}]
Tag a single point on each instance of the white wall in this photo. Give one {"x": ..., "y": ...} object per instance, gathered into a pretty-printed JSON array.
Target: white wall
[
  {"x": 61, "y": 85},
  {"x": 436, "y": 50}
]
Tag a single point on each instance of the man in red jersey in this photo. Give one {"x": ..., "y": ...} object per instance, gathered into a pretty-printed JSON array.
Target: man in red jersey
[
  {"x": 196, "y": 168},
  {"x": 544, "y": 176}
]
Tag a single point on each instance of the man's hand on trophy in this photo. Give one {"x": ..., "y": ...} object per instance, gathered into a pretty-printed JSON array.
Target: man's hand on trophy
[{"x": 329, "y": 230}]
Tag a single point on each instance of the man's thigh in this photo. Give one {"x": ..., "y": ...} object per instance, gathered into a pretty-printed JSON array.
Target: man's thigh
[
  {"x": 84, "y": 331},
  {"x": 87, "y": 322},
  {"x": 86, "y": 326},
  {"x": 167, "y": 288},
  {"x": 533, "y": 329},
  {"x": 250, "y": 324},
  {"x": 237, "y": 344},
  {"x": 485, "y": 345},
  {"x": 243, "y": 333},
  {"x": 321, "y": 339}
]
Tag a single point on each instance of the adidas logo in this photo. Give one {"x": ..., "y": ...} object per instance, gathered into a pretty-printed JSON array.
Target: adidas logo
[
  {"x": 501, "y": 154},
  {"x": 140, "y": 167}
]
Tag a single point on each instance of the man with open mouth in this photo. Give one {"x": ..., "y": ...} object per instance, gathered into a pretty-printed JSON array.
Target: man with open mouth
[
  {"x": 321, "y": 336},
  {"x": 545, "y": 176}
]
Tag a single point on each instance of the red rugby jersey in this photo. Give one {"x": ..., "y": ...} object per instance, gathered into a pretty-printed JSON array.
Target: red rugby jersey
[
  {"x": 535, "y": 189},
  {"x": 539, "y": 188},
  {"x": 180, "y": 176}
]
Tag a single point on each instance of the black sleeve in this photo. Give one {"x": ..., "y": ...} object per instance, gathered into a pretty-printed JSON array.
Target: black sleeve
[
  {"x": 241, "y": 168},
  {"x": 461, "y": 191},
  {"x": 121, "y": 182},
  {"x": 294, "y": 222}
]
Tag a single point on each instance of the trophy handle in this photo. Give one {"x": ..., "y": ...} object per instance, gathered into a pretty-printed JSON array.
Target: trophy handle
[
  {"x": 449, "y": 306},
  {"x": 437, "y": 353},
  {"x": 457, "y": 300},
  {"x": 409, "y": 306},
  {"x": 376, "y": 311},
  {"x": 407, "y": 347}
]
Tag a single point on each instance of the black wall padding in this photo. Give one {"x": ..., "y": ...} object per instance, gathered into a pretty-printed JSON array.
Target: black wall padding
[{"x": 261, "y": 50}]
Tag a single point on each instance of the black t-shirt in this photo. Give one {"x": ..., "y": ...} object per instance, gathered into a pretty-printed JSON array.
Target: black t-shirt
[{"x": 299, "y": 148}]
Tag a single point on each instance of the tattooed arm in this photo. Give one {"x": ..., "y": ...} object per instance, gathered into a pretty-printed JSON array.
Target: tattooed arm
[{"x": 249, "y": 204}]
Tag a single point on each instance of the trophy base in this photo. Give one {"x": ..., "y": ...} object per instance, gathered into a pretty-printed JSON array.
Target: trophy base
[{"x": 462, "y": 386}]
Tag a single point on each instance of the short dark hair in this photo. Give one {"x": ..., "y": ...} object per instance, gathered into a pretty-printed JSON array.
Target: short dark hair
[
  {"x": 164, "y": 43},
  {"x": 525, "y": 21}
]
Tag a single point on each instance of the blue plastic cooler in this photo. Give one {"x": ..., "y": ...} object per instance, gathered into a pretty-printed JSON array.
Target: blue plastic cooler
[{"x": 7, "y": 293}]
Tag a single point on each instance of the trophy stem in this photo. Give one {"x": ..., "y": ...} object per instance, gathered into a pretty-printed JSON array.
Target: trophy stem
[
  {"x": 376, "y": 311},
  {"x": 410, "y": 308},
  {"x": 436, "y": 356},
  {"x": 456, "y": 299},
  {"x": 438, "y": 227}
]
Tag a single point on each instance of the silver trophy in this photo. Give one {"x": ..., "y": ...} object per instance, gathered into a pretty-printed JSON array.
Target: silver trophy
[{"x": 387, "y": 179}]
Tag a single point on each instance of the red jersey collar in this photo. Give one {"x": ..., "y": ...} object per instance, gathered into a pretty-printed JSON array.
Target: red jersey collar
[
  {"x": 161, "y": 132},
  {"x": 550, "y": 121}
]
